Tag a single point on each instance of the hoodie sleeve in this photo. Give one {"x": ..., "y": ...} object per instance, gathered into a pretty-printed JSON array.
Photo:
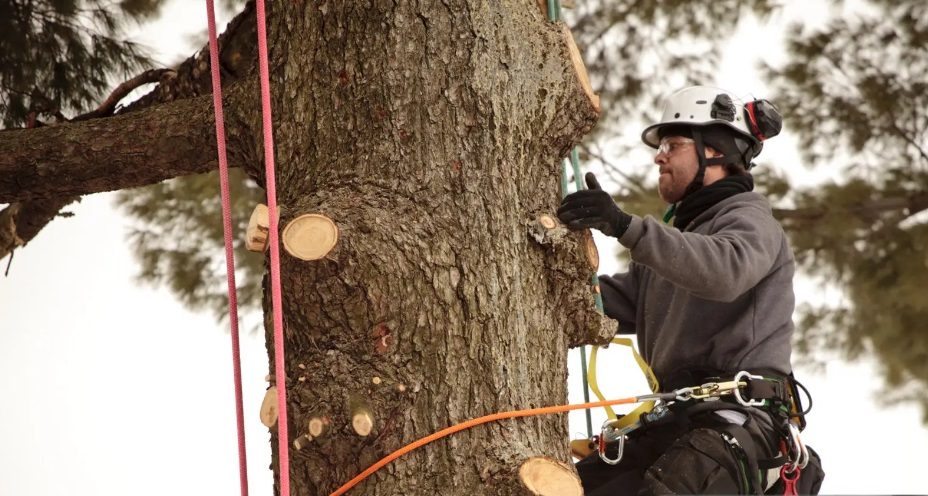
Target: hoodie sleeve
[
  {"x": 620, "y": 298},
  {"x": 719, "y": 266}
]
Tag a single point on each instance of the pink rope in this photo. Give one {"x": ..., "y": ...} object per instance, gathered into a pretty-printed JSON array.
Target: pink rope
[
  {"x": 283, "y": 442},
  {"x": 227, "y": 232}
]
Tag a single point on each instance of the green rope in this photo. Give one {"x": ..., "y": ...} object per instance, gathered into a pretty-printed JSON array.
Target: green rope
[
  {"x": 575, "y": 163},
  {"x": 671, "y": 211},
  {"x": 554, "y": 10}
]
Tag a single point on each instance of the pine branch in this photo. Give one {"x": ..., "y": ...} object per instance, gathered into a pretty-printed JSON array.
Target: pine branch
[
  {"x": 909, "y": 205},
  {"x": 109, "y": 105},
  {"x": 20, "y": 222},
  {"x": 124, "y": 151}
]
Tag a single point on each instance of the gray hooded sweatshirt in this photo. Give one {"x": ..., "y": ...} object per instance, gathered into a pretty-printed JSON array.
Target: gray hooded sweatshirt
[{"x": 717, "y": 296}]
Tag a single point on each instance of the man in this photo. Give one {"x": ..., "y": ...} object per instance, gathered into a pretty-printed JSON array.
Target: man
[{"x": 708, "y": 296}]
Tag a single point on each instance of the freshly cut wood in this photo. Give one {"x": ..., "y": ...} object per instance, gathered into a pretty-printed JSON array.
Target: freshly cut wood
[
  {"x": 258, "y": 227},
  {"x": 269, "y": 407},
  {"x": 302, "y": 441},
  {"x": 581, "y": 448},
  {"x": 548, "y": 477},
  {"x": 592, "y": 254},
  {"x": 580, "y": 67},
  {"x": 310, "y": 236},
  {"x": 318, "y": 426},
  {"x": 547, "y": 221},
  {"x": 362, "y": 421}
]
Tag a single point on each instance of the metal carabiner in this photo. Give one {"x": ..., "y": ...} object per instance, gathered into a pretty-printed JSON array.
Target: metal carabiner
[
  {"x": 602, "y": 451},
  {"x": 609, "y": 434},
  {"x": 802, "y": 453},
  {"x": 737, "y": 390}
]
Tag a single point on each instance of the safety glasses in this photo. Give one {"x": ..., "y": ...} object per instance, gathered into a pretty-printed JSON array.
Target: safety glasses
[{"x": 672, "y": 143}]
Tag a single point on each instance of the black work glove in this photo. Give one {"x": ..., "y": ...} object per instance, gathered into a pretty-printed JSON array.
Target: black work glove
[{"x": 593, "y": 208}]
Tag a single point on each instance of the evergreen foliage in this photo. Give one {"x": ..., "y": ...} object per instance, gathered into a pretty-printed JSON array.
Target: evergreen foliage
[
  {"x": 58, "y": 56},
  {"x": 179, "y": 242},
  {"x": 857, "y": 93}
]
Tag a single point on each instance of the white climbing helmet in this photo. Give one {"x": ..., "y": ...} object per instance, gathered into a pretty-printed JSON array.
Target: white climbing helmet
[{"x": 702, "y": 106}]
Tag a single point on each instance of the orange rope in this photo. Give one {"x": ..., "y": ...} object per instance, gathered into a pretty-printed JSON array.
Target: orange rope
[{"x": 472, "y": 423}]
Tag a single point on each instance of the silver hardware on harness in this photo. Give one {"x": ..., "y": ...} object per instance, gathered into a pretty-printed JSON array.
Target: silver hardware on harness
[
  {"x": 745, "y": 375},
  {"x": 611, "y": 434}
]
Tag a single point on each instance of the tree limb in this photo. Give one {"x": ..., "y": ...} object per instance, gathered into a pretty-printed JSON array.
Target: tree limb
[
  {"x": 237, "y": 59},
  {"x": 124, "y": 151},
  {"x": 109, "y": 105},
  {"x": 20, "y": 222},
  {"x": 191, "y": 79},
  {"x": 911, "y": 204}
]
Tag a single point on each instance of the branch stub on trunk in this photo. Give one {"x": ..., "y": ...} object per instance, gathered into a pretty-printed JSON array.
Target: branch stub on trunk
[
  {"x": 318, "y": 426},
  {"x": 302, "y": 442},
  {"x": 269, "y": 408},
  {"x": 592, "y": 254},
  {"x": 548, "y": 477},
  {"x": 362, "y": 421},
  {"x": 310, "y": 236},
  {"x": 258, "y": 227}
]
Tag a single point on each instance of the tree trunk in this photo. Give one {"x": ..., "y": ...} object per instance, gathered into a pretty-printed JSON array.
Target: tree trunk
[{"x": 432, "y": 136}]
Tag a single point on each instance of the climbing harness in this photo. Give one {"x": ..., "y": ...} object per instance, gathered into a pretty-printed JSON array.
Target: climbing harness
[
  {"x": 745, "y": 391},
  {"x": 707, "y": 393},
  {"x": 270, "y": 187}
]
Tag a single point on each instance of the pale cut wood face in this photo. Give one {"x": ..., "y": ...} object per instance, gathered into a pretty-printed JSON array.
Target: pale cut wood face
[{"x": 310, "y": 236}]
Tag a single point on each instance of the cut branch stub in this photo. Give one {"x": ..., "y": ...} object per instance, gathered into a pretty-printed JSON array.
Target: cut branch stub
[
  {"x": 547, "y": 221},
  {"x": 310, "y": 236},
  {"x": 302, "y": 442},
  {"x": 362, "y": 421},
  {"x": 258, "y": 227},
  {"x": 580, "y": 67},
  {"x": 592, "y": 254},
  {"x": 318, "y": 426},
  {"x": 269, "y": 408},
  {"x": 581, "y": 448},
  {"x": 548, "y": 477}
]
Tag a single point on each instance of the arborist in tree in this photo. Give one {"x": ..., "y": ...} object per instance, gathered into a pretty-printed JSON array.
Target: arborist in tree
[{"x": 708, "y": 296}]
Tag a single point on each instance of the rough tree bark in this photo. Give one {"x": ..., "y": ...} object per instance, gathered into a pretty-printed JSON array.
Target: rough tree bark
[{"x": 432, "y": 135}]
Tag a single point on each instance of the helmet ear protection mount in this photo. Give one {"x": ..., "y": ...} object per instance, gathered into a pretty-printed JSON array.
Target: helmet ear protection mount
[{"x": 763, "y": 118}]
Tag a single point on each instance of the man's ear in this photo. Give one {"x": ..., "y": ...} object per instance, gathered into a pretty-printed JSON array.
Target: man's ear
[{"x": 712, "y": 152}]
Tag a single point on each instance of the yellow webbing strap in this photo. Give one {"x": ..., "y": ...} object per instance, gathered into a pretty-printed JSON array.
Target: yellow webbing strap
[{"x": 645, "y": 407}]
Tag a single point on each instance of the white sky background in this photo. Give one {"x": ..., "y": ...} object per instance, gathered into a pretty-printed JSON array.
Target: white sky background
[{"x": 111, "y": 388}]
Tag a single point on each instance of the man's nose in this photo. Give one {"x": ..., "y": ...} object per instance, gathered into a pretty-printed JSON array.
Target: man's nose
[{"x": 660, "y": 158}]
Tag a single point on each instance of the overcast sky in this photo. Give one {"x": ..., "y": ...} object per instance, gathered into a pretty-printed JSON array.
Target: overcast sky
[{"x": 111, "y": 388}]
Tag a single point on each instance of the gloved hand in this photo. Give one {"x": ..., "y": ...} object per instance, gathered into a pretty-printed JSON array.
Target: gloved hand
[{"x": 594, "y": 208}]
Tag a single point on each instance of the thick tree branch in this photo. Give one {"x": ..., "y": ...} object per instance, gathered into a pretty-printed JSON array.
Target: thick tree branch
[
  {"x": 20, "y": 222},
  {"x": 125, "y": 151}
]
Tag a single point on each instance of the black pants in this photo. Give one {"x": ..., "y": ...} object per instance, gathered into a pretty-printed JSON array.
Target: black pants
[{"x": 677, "y": 459}]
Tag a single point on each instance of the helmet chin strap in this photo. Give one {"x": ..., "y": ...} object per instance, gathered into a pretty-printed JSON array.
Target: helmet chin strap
[{"x": 696, "y": 183}]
